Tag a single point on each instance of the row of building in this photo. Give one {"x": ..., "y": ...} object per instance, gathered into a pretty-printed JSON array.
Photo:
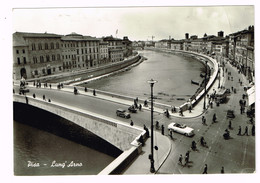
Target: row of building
[
  {"x": 238, "y": 47},
  {"x": 41, "y": 54}
]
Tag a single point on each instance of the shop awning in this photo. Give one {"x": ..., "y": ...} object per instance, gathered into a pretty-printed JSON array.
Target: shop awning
[{"x": 251, "y": 95}]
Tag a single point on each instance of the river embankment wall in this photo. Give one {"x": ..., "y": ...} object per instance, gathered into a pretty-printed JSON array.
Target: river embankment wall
[
  {"x": 75, "y": 76},
  {"x": 213, "y": 65}
]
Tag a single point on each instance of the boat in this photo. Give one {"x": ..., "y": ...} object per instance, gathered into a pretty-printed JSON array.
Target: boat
[{"x": 194, "y": 82}]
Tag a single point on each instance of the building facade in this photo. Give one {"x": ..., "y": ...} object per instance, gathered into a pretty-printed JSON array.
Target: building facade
[{"x": 36, "y": 54}]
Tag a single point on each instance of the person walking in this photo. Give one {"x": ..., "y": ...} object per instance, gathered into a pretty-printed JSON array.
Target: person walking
[
  {"x": 246, "y": 131},
  {"x": 203, "y": 120},
  {"x": 239, "y": 131},
  {"x": 253, "y": 130},
  {"x": 180, "y": 160},
  {"x": 222, "y": 170},
  {"x": 132, "y": 123},
  {"x": 205, "y": 171}
]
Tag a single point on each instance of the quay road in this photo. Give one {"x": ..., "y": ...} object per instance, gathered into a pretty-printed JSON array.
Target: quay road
[{"x": 236, "y": 155}]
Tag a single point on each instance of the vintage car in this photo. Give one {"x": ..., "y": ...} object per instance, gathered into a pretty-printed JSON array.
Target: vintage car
[
  {"x": 182, "y": 129},
  {"x": 132, "y": 109},
  {"x": 122, "y": 113},
  {"x": 23, "y": 90},
  {"x": 230, "y": 114}
]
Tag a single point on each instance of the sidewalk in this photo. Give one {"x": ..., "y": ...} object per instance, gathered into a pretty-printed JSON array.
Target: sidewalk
[{"x": 142, "y": 164}]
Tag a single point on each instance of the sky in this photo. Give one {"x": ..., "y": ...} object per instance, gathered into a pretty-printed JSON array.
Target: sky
[{"x": 138, "y": 23}]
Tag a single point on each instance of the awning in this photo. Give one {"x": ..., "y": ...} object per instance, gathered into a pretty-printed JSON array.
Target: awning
[{"x": 251, "y": 95}]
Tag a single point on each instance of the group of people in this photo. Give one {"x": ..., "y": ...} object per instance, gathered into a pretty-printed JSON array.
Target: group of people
[
  {"x": 246, "y": 131},
  {"x": 186, "y": 159}
]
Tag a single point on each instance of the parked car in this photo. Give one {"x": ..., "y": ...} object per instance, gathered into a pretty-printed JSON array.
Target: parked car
[
  {"x": 182, "y": 129},
  {"x": 122, "y": 113},
  {"x": 230, "y": 114},
  {"x": 23, "y": 90},
  {"x": 132, "y": 109}
]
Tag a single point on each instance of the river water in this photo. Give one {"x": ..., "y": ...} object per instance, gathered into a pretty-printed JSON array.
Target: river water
[
  {"x": 173, "y": 73},
  {"x": 53, "y": 154}
]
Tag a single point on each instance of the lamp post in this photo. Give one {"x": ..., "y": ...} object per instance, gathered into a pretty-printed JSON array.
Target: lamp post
[
  {"x": 219, "y": 77},
  {"x": 152, "y": 170},
  {"x": 204, "y": 106}
]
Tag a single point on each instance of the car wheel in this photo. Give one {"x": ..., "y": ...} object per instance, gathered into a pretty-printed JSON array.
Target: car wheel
[{"x": 186, "y": 134}]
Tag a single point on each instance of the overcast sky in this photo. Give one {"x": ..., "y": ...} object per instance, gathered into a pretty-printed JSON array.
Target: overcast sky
[{"x": 138, "y": 23}]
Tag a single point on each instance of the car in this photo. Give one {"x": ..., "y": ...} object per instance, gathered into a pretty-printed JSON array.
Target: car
[
  {"x": 132, "y": 109},
  {"x": 181, "y": 128},
  {"x": 23, "y": 90},
  {"x": 230, "y": 114},
  {"x": 122, "y": 113}
]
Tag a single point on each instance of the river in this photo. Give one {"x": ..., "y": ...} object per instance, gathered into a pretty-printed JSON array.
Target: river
[{"x": 173, "y": 73}]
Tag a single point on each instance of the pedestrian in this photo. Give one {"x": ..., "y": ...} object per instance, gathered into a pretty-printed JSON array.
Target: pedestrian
[
  {"x": 230, "y": 125},
  {"x": 181, "y": 113},
  {"x": 146, "y": 130},
  {"x": 203, "y": 120},
  {"x": 180, "y": 160},
  {"x": 205, "y": 171},
  {"x": 132, "y": 123},
  {"x": 241, "y": 109},
  {"x": 253, "y": 130},
  {"x": 239, "y": 131},
  {"x": 186, "y": 160},
  {"x": 171, "y": 134},
  {"x": 140, "y": 107},
  {"x": 43, "y": 97},
  {"x": 162, "y": 130},
  {"x": 187, "y": 155},
  {"x": 214, "y": 118},
  {"x": 94, "y": 92},
  {"x": 86, "y": 89},
  {"x": 222, "y": 170},
  {"x": 34, "y": 95},
  {"x": 246, "y": 131},
  {"x": 190, "y": 109}
]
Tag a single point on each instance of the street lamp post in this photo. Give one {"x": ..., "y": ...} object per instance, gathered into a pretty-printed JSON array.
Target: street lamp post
[
  {"x": 152, "y": 169},
  {"x": 219, "y": 77},
  {"x": 204, "y": 106}
]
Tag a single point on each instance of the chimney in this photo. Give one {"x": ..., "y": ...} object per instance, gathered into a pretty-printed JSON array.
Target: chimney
[
  {"x": 187, "y": 36},
  {"x": 220, "y": 34}
]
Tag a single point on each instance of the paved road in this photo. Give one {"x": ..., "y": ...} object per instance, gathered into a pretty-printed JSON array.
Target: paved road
[{"x": 236, "y": 155}]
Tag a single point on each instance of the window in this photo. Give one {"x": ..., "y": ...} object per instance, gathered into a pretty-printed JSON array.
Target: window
[
  {"x": 34, "y": 60},
  {"x": 43, "y": 71},
  {"x": 53, "y": 57},
  {"x": 40, "y": 46},
  {"x": 41, "y": 59},
  {"x": 17, "y": 51},
  {"x": 52, "y": 46},
  {"x": 46, "y": 46},
  {"x": 18, "y": 61},
  {"x": 57, "y": 45},
  {"x": 24, "y": 60},
  {"x": 53, "y": 69},
  {"x": 35, "y": 72},
  {"x": 33, "y": 47},
  {"x": 47, "y": 58}
]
